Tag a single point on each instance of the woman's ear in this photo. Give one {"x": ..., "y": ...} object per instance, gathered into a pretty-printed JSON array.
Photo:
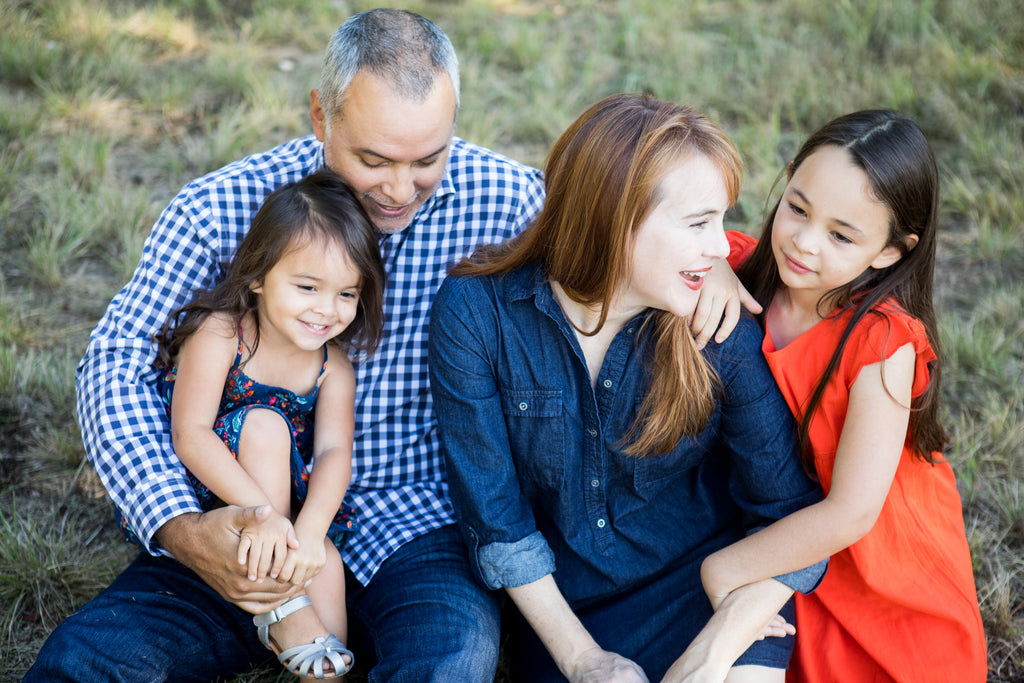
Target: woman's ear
[
  {"x": 256, "y": 287},
  {"x": 892, "y": 253}
]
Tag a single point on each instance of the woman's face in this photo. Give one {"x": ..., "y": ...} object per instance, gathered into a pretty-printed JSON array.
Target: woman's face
[{"x": 679, "y": 239}]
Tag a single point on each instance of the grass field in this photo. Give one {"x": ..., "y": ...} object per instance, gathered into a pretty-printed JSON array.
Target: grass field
[{"x": 107, "y": 107}]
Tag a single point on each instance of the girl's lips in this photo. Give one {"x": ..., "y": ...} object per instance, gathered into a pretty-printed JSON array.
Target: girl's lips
[
  {"x": 316, "y": 329},
  {"x": 796, "y": 266}
]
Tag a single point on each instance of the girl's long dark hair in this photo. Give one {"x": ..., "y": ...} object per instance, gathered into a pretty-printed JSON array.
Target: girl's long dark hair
[
  {"x": 319, "y": 208},
  {"x": 901, "y": 169}
]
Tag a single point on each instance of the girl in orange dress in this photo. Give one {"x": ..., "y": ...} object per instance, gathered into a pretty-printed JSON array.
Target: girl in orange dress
[{"x": 843, "y": 271}]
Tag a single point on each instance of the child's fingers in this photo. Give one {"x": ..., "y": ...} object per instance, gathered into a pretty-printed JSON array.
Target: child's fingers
[
  {"x": 287, "y": 574},
  {"x": 778, "y": 627},
  {"x": 244, "y": 543},
  {"x": 254, "y": 560},
  {"x": 280, "y": 556},
  {"x": 266, "y": 558}
]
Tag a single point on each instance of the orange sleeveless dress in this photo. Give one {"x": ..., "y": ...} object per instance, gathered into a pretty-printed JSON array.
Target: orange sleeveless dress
[{"x": 899, "y": 604}]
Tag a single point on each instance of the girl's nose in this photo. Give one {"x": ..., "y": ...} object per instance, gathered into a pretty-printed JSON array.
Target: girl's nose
[{"x": 806, "y": 241}]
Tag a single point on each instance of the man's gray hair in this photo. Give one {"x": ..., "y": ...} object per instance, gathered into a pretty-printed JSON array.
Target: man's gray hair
[{"x": 401, "y": 47}]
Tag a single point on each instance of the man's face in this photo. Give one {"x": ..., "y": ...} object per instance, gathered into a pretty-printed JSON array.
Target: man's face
[{"x": 391, "y": 150}]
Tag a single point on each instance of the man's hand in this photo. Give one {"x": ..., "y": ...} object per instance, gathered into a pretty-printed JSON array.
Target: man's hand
[
  {"x": 207, "y": 543},
  {"x": 720, "y": 300}
]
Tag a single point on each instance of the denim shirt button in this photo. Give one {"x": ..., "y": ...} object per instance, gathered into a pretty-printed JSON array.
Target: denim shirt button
[
  {"x": 523, "y": 405},
  {"x": 607, "y": 384},
  {"x": 595, "y": 483},
  {"x": 592, "y": 431},
  {"x": 600, "y": 524}
]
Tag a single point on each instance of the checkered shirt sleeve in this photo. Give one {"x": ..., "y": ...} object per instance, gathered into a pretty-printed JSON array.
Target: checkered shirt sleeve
[{"x": 123, "y": 421}]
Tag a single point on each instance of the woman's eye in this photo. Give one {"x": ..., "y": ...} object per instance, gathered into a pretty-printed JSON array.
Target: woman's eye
[{"x": 796, "y": 209}]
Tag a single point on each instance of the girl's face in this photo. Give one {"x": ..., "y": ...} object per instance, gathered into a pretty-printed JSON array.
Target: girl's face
[
  {"x": 309, "y": 296},
  {"x": 829, "y": 227},
  {"x": 680, "y": 238}
]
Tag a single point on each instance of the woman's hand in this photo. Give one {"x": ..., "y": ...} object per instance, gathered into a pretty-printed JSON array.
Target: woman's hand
[{"x": 600, "y": 666}]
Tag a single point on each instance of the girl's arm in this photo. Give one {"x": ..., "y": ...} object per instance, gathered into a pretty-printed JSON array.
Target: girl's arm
[
  {"x": 743, "y": 617},
  {"x": 867, "y": 456},
  {"x": 332, "y": 467},
  {"x": 203, "y": 364},
  {"x": 577, "y": 655}
]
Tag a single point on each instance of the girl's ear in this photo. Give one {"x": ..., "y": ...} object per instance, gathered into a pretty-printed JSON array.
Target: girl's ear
[{"x": 892, "y": 253}]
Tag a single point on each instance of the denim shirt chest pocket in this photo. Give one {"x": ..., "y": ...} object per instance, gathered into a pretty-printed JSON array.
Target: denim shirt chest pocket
[
  {"x": 658, "y": 470},
  {"x": 536, "y": 433}
]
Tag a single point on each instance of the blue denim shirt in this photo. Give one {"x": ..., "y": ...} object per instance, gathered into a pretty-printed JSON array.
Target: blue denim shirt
[{"x": 537, "y": 473}]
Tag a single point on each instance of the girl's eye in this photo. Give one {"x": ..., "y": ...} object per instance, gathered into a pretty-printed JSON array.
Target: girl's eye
[
  {"x": 348, "y": 295},
  {"x": 306, "y": 288},
  {"x": 841, "y": 238},
  {"x": 796, "y": 209}
]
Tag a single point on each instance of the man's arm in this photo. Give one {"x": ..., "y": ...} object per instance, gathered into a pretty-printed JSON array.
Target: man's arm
[{"x": 124, "y": 422}]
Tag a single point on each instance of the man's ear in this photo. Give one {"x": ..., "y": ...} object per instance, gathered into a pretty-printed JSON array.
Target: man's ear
[
  {"x": 317, "y": 116},
  {"x": 892, "y": 253}
]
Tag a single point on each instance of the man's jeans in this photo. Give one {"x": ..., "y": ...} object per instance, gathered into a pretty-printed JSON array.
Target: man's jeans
[{"x": 428, "y": 618}]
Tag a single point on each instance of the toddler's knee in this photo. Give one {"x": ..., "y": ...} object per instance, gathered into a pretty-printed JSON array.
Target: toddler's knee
[{"x": 266, "y": 428}]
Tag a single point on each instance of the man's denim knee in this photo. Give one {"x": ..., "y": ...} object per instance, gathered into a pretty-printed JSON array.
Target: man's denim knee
[
  {"x": 157, "y": 620},
  {"x": 430, "y": 619}
]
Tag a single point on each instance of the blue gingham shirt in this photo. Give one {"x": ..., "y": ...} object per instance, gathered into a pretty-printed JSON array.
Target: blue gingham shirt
[{"x": 398, "y": 487}]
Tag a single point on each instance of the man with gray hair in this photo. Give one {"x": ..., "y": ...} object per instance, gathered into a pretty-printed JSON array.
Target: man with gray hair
[{"x": 383, "y": 119}]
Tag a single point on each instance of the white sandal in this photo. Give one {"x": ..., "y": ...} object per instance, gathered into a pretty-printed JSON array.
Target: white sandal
[{"x": 305, "y": 660}]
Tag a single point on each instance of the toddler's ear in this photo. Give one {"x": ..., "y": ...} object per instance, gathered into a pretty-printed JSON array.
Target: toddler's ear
[
  {"x": 256, "y": 287},
  {"x": 892, "y": 253}
]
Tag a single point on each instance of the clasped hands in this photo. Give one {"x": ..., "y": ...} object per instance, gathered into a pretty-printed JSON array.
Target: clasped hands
[{"x": 211, "y": 545}]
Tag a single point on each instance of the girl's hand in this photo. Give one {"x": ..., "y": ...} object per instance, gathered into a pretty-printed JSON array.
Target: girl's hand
[
  {"x": 306, "y": 562},
  {"x": 719, "y": 306},
  {"x": 600, "y": 666},
  {"x": 264, "y": 546},
  {"x": 778, "y": 627}
]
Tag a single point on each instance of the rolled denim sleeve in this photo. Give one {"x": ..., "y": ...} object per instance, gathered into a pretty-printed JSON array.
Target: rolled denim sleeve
[
  {"x": 767, "y": 480},
  {"x": 506, "y": 549}
]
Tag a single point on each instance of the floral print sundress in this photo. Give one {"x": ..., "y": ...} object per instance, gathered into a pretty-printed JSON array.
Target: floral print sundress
[{"x": 241, "y": 394}]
